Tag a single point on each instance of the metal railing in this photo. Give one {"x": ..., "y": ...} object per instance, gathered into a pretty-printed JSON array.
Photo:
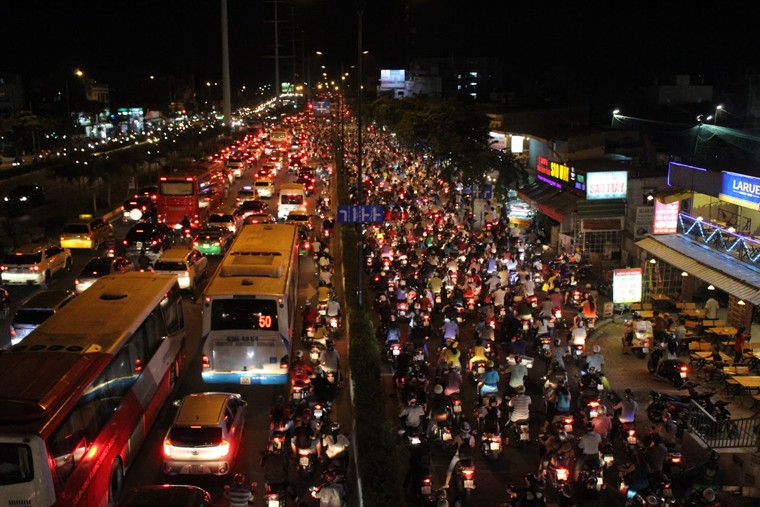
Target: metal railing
[
  {"x": 741, "y": 246},
  {"x": 723, "y": 434}
]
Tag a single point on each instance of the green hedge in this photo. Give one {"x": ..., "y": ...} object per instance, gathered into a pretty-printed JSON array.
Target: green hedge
[{"x": 376, "y": 443}]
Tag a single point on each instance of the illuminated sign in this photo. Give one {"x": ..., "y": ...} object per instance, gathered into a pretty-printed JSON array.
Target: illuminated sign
[
  {"x": 392, "y": 78},
  {"x": 607, "y": 185},
  {"x": 666, "y": 217},
  {"x": 548, "y": 181},
  {"x": 626, "y": 286},
  {"x": 740, "y": 189},
  {"x": 556, "y": 174},
  {"x": 517, "y": 144}
]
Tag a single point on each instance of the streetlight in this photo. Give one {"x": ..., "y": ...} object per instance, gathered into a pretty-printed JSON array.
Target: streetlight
[
  {"x": 615, "y": 112},
  {"x": 78, "y": 73},
  {"x": 719, "y": 107}
]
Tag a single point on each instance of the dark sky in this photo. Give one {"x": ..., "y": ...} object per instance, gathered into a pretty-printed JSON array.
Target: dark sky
[{"x": 610, "y": 42}]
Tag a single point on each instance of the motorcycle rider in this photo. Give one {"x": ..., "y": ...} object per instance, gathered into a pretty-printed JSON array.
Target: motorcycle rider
[
  {"x": 556, "y": 360},
  {"x": 309, "y": 315},
  {"x": 324, "y": 390},
  {"x": 626, "y": 410},
  {"x": 517, "y": 373},
  {"x": 452, "y": 380},
  {"x": 304, "y": 436},
  {"x": 519, "y": 406},
  {"x": 654, "y": 456},
  {"x": 300, "y": 370},
  {"x": 239, "y": 494},
  {"x": 335, "y": 445},
  {"x": 477, "y": 354},
  {"x": 324, "y": 293},
  {"x": 595, "y": 360},
  {"x": 588, "y": 447},
  {"x": 325, "y": 276},
  {"x": 602, "y": 422},
  {"x": 464, "y": 443},
  {"x": 450, "y": 354},
  {"x": 330, "y": 493},
  {"x": 275, "y": 465},
  {"x": 411, "y": 416},
  {"x": 489, "y": 382},
  {"x": 439, "y": 407},
  {"x": 329, "y": 359},
  {"x": 333, "y": 307}
]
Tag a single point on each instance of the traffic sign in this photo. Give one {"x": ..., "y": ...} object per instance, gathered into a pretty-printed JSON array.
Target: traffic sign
[
  {"x": 360, "y": 214},
  {"x": 489, "y": 192},
  {"x": 322, "y": 106}
]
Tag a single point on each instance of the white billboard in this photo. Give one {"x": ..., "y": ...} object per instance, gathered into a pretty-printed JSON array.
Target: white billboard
[{"x": 392, "y": 78}]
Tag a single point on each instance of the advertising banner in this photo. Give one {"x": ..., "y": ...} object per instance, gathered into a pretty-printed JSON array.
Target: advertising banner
[
  {"x": 392, "y": 78},
  {"x": 644, "y": 220},
  {"x": 740, "y": 189},
  {"x": 666, "y": 217},
  {"x": 626, "y": 286},
  {"x": 607, "y": 185}
]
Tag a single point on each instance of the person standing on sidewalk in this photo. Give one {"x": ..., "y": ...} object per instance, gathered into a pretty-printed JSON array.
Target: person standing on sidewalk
[{"x": 740, "y": 342}]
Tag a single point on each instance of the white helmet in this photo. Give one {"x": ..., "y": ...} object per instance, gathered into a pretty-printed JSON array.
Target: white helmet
[
  {"x": 597, "y": 349},
  {"x": 299, "y": 354}
]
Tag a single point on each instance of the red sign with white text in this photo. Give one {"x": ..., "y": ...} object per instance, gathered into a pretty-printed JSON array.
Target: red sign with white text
[{"x": 666, "y": 217}]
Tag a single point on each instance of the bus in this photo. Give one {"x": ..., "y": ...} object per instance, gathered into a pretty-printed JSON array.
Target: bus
[
  {"x": 292, "y": 197},
  {"x": 249, "y": 308},
  {"x": 280, "y": 139},
  {"x": 193, "y": 192},
  {"x": 80, "y": 393}
]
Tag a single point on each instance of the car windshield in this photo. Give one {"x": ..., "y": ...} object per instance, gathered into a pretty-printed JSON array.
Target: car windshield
[
  {"x": 177, "y": 188},
  {"x": 213, "y": 234},
  {"x": 252, "y": 206},
  {"x": 220, "y": 219},
  {"x": 23, "y": 259},
  {"x": 140, "y": 234},
  {"x": 169, "y": 266},
  {"x": 97, "y": 267},
  {"x": 15, "y": 464},
  {"x": 262, "y": 184},
  {"x": 298, "y": 218},
  {"x": 291, "y": 199},
  {"x": 33, "y": 316},
  {"x": 184, "y": 436},
  {"x": 75, "y": 229}
]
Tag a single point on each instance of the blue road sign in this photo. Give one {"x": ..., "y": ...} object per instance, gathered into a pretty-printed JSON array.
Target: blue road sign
[
  {"x": 360, "y": 214},
  {"x": 489, "y": 192},
  {"x": 322, "y": 106}
]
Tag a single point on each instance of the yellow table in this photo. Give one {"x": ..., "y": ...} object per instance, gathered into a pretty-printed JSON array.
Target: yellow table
[
  {"x": 646, "y": 314},
  {"x": 706, "y": 356},
  {"x": 693, "y": 314},
  {"x": 659, "y": 297},
  {"x": 722, "y": 331},
  {"x": 699, "y": 346}
]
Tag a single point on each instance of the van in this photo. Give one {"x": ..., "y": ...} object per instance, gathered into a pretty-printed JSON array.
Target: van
[
  {"x": 187, "y": 263},
  {"x": 36, "y": 310},
  {"x": 205, "y": 435},
  {"x": 292, "y": 197}
]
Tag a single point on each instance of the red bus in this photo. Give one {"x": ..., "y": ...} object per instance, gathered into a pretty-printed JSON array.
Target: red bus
[
  {"x": 193, "y": 192},
  {"x": 80, "y": 393},
  {"x": 280, "y": 139}
]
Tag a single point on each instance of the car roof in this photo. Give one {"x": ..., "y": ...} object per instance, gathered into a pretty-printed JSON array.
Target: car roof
[
  {"x": 202, "y": 409},
  {"x": 33, "y": 248},
  {"x": 48, "y": 298},
  {"x": 175, "y": 253}
]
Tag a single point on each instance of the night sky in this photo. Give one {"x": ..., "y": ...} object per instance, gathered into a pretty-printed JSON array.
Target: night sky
[{"x": 613, "y": 43}]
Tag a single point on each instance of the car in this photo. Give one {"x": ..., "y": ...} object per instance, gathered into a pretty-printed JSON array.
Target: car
[
  {"x": 264, "y": 188},
  {"x": 101, "y": 266},
  {"x": 35, "y": 264},
  {"x": 36, "y": 310},
  {"x": 267, "y": 170},
  {"x": 139, "y": 207},
  {"x": 212, "y": 241},
  {"x": 228, "y": 220},
  {"x": 148, "y": 191},
  {"x": 237, "y": 165},
  {"x": 206, "y": 434},
  {"x": 26, "y": 195},
  {"x": 300, "y": 218},
  {"x": 259, "y": 218},
  {"x": 166, "y": 495},
  {"x": 307, "y": 182},
  {"x": 189, "y": 264},
  {"x": 251, "y": 207},
  {"x": 153, "y": 238},
  {"x": 87, "y": 233},
  {"x": 247, "y": 193}
]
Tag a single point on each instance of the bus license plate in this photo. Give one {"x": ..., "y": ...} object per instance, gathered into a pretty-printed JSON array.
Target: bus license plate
[
  {"x": 469, "y": 484},
  {"x": 246, "y": 381}
]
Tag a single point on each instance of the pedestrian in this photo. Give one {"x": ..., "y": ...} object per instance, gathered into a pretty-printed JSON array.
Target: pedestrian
[
  {"x": 740, "y": 342},
  {"x": 711, "y": 308}
]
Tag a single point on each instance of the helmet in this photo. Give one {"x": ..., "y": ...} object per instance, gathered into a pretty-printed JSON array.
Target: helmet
[
  {"x": 299, "y": 354},
  {"x": 308, "y": 303},
  {"x": 466, "y": 427},
  {"x": 597, "y": 349},
  {"x": 329, "y": 344},
  {"x": 438, "y": 389},
  {"x": 590, "y": 427},
  {"x": 454, "y": 345},
  {"x": 239, "y": 479},
  {"x": 335, "y": 426},
  {"x": 412, "y": 400},
  {"x": 628, "y": 392},
  {"x": 558, "y": 342},
  {"x": 489, "y": 364},
  {"x": 588, "y": 285},
  {"x": 520, "y": 389},
  {"x": 326, "y": 250},
  {"x": 709, "y": 494},
  {"x": 318, "y": 370},
  {"x": 335, "y": 298}
]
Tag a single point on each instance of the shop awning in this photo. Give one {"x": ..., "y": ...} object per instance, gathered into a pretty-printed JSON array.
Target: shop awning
[
  {"x": 672, "y": 194},
  {"x": 536, "y": 193},
  {"x": 724, "y": 272},
  {"x": 601, "y": 209},
  {"x": 559, "y": 206}
]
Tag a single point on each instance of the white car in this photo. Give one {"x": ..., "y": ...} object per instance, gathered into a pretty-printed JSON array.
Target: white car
[
  {"x": 188, "y": 264},
  {"x": 34, "y": 264},
  {"x": 264, "y": 188}
]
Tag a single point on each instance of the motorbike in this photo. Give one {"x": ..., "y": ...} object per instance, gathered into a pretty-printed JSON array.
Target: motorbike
[
  {"x": 428, "y": 496},
  {"x": 277, "y": 441},
  {"x": 592, "y": 477},
  {"x": 465, "y": 474},
  {"x": 491, "y": 445},
  {"x": 674, "y": 371},
  {"x": 456, "y": 407},
  {"x": 392, "y": 353},
  {"x": 306, "y": 459},
  {"x": 521, "y": 431},
  {"x": 643, "y": 337},
  {"x": 300, "y": 391},
  {"x": 333, "y": 325},
  {"x": 631, "y": 440},
  {"x": 477, "y": 370}
]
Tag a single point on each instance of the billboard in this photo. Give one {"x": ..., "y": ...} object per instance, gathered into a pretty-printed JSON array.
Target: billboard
[
  {"x": 644, "y": 221},
  {"x": 392, "y": 78},
  {"x": 607, "y": 185},
  {"x": 666, "y": 217},
  {"x": 626, "y": 286},
  {"x": 740, "y": 189}
]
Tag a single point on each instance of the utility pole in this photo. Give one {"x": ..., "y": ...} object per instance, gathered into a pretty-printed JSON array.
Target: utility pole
[
  {"x": 226, "y": 96},
  {"x": 276, "y": 53},
  {"x": 359, "y": 172}
]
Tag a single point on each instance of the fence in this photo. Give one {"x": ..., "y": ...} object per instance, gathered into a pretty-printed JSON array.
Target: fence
[{"x": 723, "y": 434}]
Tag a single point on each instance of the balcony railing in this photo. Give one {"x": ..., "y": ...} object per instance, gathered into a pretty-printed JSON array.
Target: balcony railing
[
  {"x": 726, "y": 240},
  {"x": 723, "y": 434}
]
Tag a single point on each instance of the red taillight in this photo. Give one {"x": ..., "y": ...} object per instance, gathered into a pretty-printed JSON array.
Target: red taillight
[
  {"x": 631, "y": 433},
  {"x": 138, "y": 364},
  {"x": 13, "y": 331},
  {"x": 168, "y": 448},
  {"x": 224, "y": 448},
  {"x": 427, "y": 480},
  {"x": 468, "y": 473},
  {"x": 205, "y": 362},
  {"x": 34, "y": 268},
  {"x": 3, "y": 268},
  {"x": 568, "y": 420},
  {"x": 683, "y": 368}
]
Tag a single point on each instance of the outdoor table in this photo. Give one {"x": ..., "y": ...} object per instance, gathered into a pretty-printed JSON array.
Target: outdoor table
[
  {"x": 747, "y": 383},
  {"x": 706, "y": 356},
  {"x": 659, "y": 297},
  {"x": 699, "y": 346},
  {"x": 646, "y": 314},
  {"x": 722, "y": 331},
  {"x": 694, "y": 314}
]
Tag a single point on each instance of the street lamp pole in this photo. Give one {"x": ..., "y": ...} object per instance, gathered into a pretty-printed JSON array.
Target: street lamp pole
[
  {"x": 719, "y": 107},
  {"x": 359, "y": 176},
  {"x": 615, "y": 112}
]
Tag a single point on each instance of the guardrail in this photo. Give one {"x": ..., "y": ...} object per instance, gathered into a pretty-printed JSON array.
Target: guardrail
[{"x": 723, "y": 434}]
